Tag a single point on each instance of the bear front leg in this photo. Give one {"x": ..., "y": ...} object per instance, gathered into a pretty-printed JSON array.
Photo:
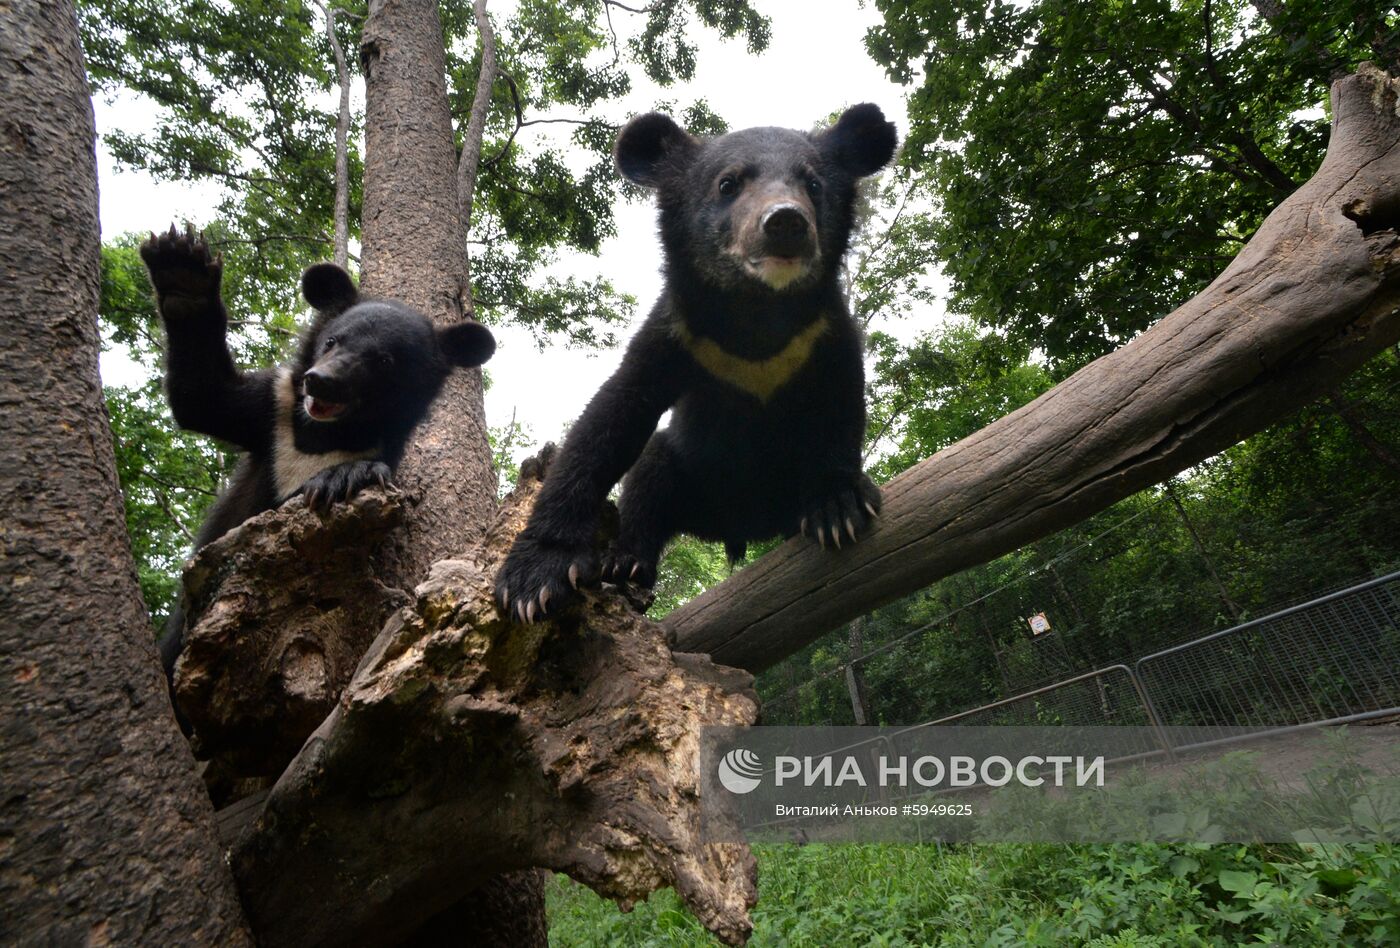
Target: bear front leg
[
  {"x": 651, "y": 494},
  {"x": 844, "y": 513},
  {"x": 344, "y": 481},
  {"x": 554, "y": 555},
  {"x": 207, "y": 391}
]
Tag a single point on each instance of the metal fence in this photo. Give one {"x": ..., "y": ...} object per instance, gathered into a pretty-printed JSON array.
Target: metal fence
[
  {"x": 1330, "y": 660},
  {"x": 1106, "y": 696}
]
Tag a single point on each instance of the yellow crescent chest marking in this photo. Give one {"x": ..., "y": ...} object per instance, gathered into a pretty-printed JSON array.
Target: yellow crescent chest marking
[{"x": 759, "y": 377}]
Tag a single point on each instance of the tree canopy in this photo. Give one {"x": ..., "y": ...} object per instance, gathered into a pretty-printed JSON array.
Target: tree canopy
[{"x": 1096, "y": 163}]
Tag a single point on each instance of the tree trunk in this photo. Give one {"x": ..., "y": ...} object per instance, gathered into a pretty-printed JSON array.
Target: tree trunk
[
  {"x": 414, "y": 248},
  {"x": 106, "y": 835},
  {"x": 465, "y": 746},
  {"x": 342, "y": 145},
  {"x": 855, "y": 674},
  {"x": 1346, "y": 411},
  {"x": 1313, "y": 295},
  {"x": 470, "y": 162}
]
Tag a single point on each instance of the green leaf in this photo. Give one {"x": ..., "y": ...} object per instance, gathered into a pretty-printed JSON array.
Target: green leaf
[
  {"x": 1240, "y": 883},
  {"x": 1183, "y": 866}
]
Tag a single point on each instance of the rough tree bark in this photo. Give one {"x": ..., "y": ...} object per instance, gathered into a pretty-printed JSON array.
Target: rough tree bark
[
  {"x": 1314, "y": 294},
  {"x": 465, "y": 746},
  {"x": 254, "y": 690},
  {"x": 266, "y": 661},
  {"x": 106, "y": 835},
  {"x": 414, "y": 249}
]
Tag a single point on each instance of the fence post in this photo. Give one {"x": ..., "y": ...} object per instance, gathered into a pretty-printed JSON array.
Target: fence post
[{"x": 855, "y": 677}]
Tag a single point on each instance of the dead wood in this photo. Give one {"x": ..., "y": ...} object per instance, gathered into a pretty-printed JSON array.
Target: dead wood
[
  {"x": 280, "y": 610},
  {"x": 463, "y": 746}
]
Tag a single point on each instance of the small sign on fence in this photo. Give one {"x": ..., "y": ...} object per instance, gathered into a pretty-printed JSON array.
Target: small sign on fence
[{"x": 1039, "y": 624}]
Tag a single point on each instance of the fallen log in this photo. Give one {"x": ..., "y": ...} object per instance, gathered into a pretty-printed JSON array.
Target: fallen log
[{"x": 1313, "y": 295}]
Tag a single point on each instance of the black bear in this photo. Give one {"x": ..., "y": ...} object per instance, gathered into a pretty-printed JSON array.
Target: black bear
[
  {"x": 752, "y": 346},
  {"x": 327, "y": 425}
]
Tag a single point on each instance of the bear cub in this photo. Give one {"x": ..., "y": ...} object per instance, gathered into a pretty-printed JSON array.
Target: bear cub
[
  {"x": 332, "y": 422},
  {"x": 752, "y": 348}
]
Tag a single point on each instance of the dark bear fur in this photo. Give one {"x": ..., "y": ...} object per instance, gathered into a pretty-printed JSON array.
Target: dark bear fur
[
  {"x": 751, "y": 344},
  {"x": 327, "y": 425}
]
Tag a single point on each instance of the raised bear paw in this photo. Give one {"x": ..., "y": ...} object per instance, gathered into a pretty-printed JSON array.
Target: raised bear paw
[
  {"x": 540, "y": 575},
  {"x": 622, "y": 567},
  {"x": 344, "y": 481},
  {"x": 845, "y": 514},
  {"x": 180, "y": 265}
]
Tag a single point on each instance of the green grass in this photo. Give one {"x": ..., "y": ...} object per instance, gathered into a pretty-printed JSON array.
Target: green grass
[{"x": 1125, "y": 896}]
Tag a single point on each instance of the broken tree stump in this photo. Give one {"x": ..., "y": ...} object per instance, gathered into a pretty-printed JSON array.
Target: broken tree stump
[
  {"x": 464, "y": 746},
  {"x": 278, "y": 612}
]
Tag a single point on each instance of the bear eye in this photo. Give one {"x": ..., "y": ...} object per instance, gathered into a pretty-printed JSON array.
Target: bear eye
[
  {"x": 814, "y": 187},
  {"x": 728, "y": 186},
  {"x": 385, "y": 360},
  {"x": 330, "y": 343}
]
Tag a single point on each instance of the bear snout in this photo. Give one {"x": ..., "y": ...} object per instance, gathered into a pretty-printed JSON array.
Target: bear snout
[
  {"x": 323, "y": 383},
  {"x": 786, "y": 231}
]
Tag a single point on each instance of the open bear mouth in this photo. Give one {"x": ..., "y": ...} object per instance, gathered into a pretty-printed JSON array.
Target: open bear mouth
[{"x": 321, "y": 410}]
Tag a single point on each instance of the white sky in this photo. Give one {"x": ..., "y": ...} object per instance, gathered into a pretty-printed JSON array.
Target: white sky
[{"x": 815, "y": 64}]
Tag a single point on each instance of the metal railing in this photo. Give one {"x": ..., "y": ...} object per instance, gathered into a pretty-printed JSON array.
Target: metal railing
[{"x": 1330, "y": 660}]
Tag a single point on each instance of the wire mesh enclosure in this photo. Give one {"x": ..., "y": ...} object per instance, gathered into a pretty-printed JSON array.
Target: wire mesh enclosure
[{"x": 1108, "y": 696}]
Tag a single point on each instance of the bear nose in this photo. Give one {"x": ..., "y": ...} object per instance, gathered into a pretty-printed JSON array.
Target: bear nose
[
  {"x": 786, "y": 228},
  {"x": 321, "y": 383}
]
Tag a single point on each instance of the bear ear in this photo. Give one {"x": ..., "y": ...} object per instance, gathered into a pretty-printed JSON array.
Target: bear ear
[
  {"x": 647, "y": 144},
  {"x": 467, "y": 343},
  {"x": 328, "y": 288},
  {"x": 861, "y": 141}
]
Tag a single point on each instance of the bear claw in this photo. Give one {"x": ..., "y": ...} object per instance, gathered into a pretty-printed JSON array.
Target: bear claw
[
  {"x": 541, "y": 575},
  {"x": 619, "y": 568},
  {"x": 180, "y": 264},
  {"x": 850, "y": 510},
  {"x": 343, "y": 481}
]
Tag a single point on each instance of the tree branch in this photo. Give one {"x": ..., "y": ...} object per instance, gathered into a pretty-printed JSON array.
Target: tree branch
[
  {"x": 1331, "y": 67},
  {"x": 519, "y": 119},
  {"x": 1313, "y": 295},
  {"x": 342, "y": 133},
  {"x": 470, "y": 161}
]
